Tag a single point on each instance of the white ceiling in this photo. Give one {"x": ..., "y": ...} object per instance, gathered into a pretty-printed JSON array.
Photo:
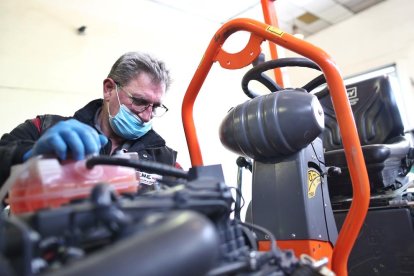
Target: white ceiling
[{"x": 290, "y": 13}]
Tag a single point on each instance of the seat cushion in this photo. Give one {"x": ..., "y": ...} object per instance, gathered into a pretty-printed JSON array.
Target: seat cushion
[{"x": 383, "y": 161}]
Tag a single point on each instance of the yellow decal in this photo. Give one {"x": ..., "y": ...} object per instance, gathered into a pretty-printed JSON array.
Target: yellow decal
[
  {"x": 314, "y": 179},
  {"x": 275, "y": 30}
]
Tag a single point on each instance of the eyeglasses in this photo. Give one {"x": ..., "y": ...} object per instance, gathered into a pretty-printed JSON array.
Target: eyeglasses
[{"x": 140, "y": 105}]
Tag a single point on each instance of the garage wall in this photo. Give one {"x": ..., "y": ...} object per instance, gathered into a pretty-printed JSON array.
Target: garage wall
[
  {"x": 47, "y": 67},
  {"x": 376, "y": 37}
]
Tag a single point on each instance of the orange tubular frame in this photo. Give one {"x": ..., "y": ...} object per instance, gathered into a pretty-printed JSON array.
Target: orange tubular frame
[
  {"x": 355, "y": 160},
  {"x": 270, "y": 18}
]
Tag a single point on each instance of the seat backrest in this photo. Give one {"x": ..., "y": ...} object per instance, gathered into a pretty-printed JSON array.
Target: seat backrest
[{"x": 376, "y": 113}]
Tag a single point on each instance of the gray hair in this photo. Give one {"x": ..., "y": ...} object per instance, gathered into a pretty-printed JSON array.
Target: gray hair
[{"x": 131, "y": 64}]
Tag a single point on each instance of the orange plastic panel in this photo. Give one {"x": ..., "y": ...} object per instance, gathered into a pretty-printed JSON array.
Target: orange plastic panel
[{"x": 316, "y": 249}]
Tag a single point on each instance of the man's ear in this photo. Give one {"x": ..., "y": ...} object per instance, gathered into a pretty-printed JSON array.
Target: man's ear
[{"x": 108, "y": 88}]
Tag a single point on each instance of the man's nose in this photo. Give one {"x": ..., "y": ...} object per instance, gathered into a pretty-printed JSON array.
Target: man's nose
[{"x": 146, "y": 115}]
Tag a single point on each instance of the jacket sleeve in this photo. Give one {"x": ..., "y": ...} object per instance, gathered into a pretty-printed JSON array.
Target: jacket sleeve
[
  {"x": 15, "y": 144},
  {"x": 164, "y": 155}
]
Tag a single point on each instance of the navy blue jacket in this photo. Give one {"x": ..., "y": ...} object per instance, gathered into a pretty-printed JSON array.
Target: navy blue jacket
[{"x": 15, "y": 144}]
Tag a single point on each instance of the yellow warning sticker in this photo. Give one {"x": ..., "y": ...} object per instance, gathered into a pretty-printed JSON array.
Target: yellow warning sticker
[
  {"x": 314, "y": 179},
  {"x": 275, "y": 30}
]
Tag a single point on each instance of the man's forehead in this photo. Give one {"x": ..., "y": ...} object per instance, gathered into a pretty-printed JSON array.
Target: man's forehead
[
  {"x": 146, "y": 79},
  {"x": 146, "y": 89}
]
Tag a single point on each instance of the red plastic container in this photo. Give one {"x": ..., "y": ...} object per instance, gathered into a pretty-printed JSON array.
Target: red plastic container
[{"x": 46, "y": 183}]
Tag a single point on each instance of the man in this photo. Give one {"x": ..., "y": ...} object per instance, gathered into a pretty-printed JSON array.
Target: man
[{"x": 121, "y": 121}]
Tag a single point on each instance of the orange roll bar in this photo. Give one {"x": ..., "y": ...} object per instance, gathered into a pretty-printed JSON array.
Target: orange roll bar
[
  {"x": 270, "y": 18},
  {"x": 352, "y": 147}
]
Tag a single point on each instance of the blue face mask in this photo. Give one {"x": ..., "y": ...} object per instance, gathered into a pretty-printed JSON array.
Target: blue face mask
[{"x": 126, "y": 124}]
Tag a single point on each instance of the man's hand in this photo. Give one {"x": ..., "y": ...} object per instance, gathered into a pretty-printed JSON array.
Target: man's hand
[{"x": 69, "y": 136}]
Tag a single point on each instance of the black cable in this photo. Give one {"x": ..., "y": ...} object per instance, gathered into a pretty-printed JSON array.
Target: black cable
[
  {"x": 238, "y": 205},
  {"x": 241, "y": 162},
  {"x": 274, "y": 252},
  {"x": 147, "y": 166},
  {"x": 272, "y": 238}
]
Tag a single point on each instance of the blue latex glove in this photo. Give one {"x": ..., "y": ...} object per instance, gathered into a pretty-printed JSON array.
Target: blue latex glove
[{"x": 68, "y": 136}]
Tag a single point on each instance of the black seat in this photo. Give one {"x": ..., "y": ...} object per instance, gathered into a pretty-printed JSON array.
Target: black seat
[{"x": 381, "y": 133}]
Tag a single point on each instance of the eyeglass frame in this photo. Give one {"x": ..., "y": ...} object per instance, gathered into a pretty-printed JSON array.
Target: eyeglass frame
[{"x": 134, "y": 99}]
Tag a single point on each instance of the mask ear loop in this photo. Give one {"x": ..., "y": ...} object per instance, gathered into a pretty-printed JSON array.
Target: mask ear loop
[
  {"x": 128, "y": 110},
  {"x": 117, "y": 95}
]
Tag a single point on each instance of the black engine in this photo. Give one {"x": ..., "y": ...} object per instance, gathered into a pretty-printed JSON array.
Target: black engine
[{"x": 182, "y": 228}]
